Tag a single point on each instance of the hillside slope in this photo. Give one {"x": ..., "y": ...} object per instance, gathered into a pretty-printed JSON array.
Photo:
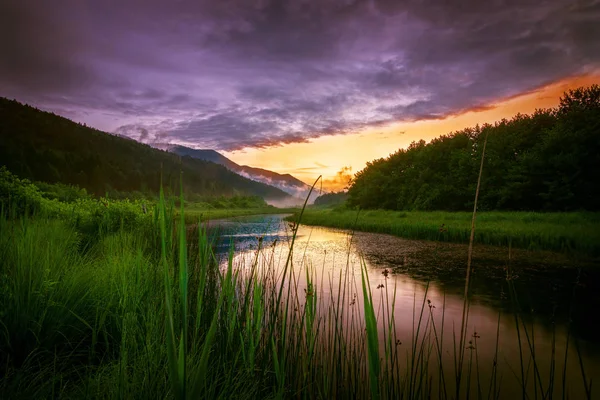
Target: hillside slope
[
  {"x": 285, "y": 182},
  {"x": 42, "y": 146}
]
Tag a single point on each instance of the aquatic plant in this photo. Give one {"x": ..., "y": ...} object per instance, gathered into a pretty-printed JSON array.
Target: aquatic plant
[{"x": 147, "y": 311}]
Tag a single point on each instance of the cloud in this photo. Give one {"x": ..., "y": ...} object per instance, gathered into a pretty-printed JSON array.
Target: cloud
[
  {"x": 149, "y": 134},
  {"x": 340, "y": 181},
  {"x": 40, "y": 55},
  {"x": 235, "y": 74}
]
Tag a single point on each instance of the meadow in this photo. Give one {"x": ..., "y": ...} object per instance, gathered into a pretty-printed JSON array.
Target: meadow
[
  {"x": 140, "y": 308},
  {"x": 103, "y": 298},
  {"x": 576, "y": 233}
]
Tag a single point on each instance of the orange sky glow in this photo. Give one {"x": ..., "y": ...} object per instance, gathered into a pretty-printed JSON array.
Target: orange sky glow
[{"x": 328, "y": 155}]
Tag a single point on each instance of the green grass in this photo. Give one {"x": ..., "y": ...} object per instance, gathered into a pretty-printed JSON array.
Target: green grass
[
  {"x": 577, "y": 233},
  {"x": 144, "y": 311}
]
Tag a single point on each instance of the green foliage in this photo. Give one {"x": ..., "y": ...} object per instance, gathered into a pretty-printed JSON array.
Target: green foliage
[
  {"x": 547, "y": 161},
  {"x": 88, "y": 215},
  {"x": 134, "y": 317},
  {"x": 62, "y": 192},
  {"x": 41, "y": 146},
  {"x": 19, "y": 194},
  {"x": 580, "y": 99}
]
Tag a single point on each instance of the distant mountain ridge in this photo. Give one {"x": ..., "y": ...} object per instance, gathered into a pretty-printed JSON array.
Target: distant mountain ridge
[
  {"x": 285, "y": 182},
  {"x": 42, "y": 146}
]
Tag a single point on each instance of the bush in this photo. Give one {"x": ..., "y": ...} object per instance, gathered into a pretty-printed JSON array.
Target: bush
[
  {"x": 22, "y": 197},
  {"x": 62, "y": 192}
]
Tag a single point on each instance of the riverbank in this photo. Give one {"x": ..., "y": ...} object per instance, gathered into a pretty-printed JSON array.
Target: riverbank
[
  {"x": 136, "y": 311},
  {"x": 574, "y": 233}
]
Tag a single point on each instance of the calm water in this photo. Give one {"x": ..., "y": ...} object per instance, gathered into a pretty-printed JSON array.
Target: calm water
[{"x": 551, "y": 291}]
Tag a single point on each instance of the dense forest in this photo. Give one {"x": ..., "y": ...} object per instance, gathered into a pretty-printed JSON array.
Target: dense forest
[
  {"x": 42, "y": 146},
  {"x": 547, "y": 161}
]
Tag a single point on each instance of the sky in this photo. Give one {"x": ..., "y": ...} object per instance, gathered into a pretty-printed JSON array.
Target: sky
[{"x": 300, "y": 87}]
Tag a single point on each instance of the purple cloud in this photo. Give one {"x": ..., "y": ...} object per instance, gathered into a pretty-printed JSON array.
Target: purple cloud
[{"x": 235, "y": 74}]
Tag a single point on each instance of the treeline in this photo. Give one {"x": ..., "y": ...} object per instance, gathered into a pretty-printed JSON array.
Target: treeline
[
  {"x": 42, "y": 146},
  {"x": 547, "y": 161}
]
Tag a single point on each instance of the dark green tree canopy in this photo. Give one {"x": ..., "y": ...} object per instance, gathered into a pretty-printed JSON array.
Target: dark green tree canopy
[
  {"x": 549, "y": 160},
  {"x": 580, "y": 99}
]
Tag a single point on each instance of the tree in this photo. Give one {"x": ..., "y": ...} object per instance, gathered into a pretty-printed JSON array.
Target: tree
[
  {"x": 549, "y": 160},
  {"x": 580, "y": 99}
]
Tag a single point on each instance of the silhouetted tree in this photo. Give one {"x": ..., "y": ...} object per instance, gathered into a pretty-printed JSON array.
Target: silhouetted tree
[{"x": 549, "y": 160}]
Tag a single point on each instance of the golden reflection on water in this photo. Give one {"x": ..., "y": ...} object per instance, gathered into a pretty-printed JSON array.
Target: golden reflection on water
[{"x": 333, "y": 261}]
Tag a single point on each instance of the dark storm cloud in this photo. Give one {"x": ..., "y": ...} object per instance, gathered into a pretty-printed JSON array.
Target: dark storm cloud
[
  {"x": 38, "y": 52},
  {"x": 231, "y": 74}
]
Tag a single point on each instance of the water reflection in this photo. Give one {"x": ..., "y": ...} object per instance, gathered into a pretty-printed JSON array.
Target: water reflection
[{"x": 429, "y": 276}]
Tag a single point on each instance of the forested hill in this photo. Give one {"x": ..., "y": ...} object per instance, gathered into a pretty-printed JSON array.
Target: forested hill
[
  {"x": 42, "y": 146},
  {"x": 546, "y": 161}
]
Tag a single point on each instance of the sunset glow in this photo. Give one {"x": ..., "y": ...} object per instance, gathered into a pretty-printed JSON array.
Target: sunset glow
[{"x": 329, "y": 154}]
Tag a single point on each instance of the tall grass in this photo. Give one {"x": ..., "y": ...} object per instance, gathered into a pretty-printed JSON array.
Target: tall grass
[
  {"x": 149, "y": 312},
  {"x": 466, "y": 304}
]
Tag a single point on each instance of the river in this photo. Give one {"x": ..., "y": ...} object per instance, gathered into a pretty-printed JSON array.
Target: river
[{"x": 557, "y": 296}]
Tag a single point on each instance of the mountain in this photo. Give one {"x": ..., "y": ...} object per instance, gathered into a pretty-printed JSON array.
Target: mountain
[
  {"x": 285, "y": 182},
  {"x": 42, "y": 146}
]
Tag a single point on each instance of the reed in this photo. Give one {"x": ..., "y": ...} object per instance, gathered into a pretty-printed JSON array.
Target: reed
[{"x": 147, "y": 312}]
